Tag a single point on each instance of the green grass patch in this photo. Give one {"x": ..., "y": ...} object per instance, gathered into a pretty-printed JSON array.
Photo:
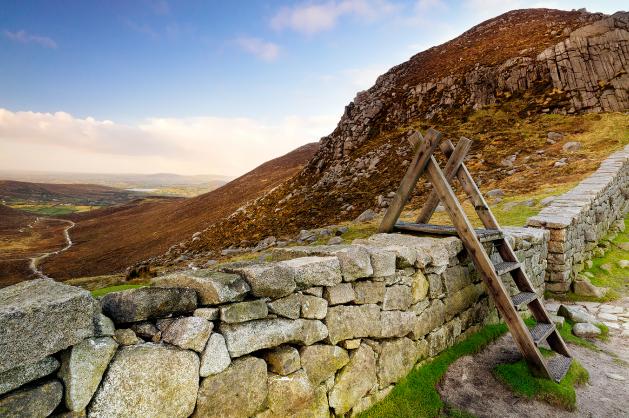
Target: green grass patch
[
  {"x": 517, "y": 376},
  {"x": 51, "y": 209},
  {"x": 416, "y": 395},
  {"x": 105, "y": 290}
]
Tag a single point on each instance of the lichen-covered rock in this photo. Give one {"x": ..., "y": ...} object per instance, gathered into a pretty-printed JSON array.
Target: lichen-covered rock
[
  {"x": 189, "y": 332},
  {"x": 289, "y": 394},
  {"x": 103, "y": 326},
  {"x": 396, "y": 360},
  {"x": 215, "y": 357},
  {"x": 586, "y": 330},
  {"x": 313, "y": 307},
  {"x": 267, "y": 280},
  {"x": 397, "y": 323},
  {"x": 419, "y": 286},
  {"x": 244, "y": 311},
  {"x": 288, "y": 307},
  {"x": 14, "y": 378},
  {"x": 397, "y": 297},
  {"x": 238, "y": 391},
  {"x": 314, "y": 271},
  {"x": 135, "y": 305},
  {"x": 322, "y": 361},
  {"x": 212, "y": 287},
  {"x": 40, "y": 317},
  {"x": 37, "y": 401},
  {"x": 354, "y": 259},
  {"x": 148, "y": 380},
  {"x": 283, "y": 360},
  {"x": 251, "y": 336},
  {"x": 382, "y": 262},
  {"x": 347, "y": 322},
  {"x": 341, "y": 293},
  {"x": 460, "y": 300},
  {"x": 429, "y": 319},
  {"x": 356, "y": 379},
  {"x": 82, "y": 368},
  {"x": 369, "y": 292},
  {"x": 210, "y": 314},
  {"x": 126, "y": 336},
  {"x": 575, "y": 314},
  {"x": 146, "y": 330}
]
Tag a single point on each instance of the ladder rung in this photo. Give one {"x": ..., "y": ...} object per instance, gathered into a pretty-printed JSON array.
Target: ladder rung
[
  {"x": 523, "y": 298},
  {"x": 558, "y": 367},
  {"x": 505, "y": 267},
  {"x": 540, "y": 331},
  {"x": 483, "y": 235}
]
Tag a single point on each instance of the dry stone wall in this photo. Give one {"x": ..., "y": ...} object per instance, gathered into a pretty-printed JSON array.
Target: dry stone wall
[
  {"x": 317, "y": 330},
  {"x": 578, "y": 219}
]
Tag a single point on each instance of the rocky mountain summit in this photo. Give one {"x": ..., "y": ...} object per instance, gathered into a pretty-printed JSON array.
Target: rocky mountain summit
[{"x": 526, "y": 62}]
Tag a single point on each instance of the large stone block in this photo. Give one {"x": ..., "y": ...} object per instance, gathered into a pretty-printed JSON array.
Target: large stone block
[
  {"x": 238, "y": 391},
  {"x": 244, "y": 311},
  {"x": 461, "y": 300},
  {"x": 430, "y": 318},
  {"x": 148, "y": 380},
  {"x": 289, "y": 394},
  {"x": 251, "y": 336},
  {"x": 215, "y": 357},
  {"x": 144, "y": 303},
  {"x": 354, "y": 381},
  {"x": 396, "y": 360},
  {"x": 348, "y": 322},
  {"x": 314, "y": 271},
  {"x": 39, "y": 318},
  {"x": 37, "y": 401},
  {"x": 321, "y": 361},
  {"x": 82, "y": 368},
  {"x": 341, "y": 293},
  {"x": 369, "y": 292},
  {"x": 14, "y": 378},
  {"x": 397, "y": 297},
  {"x": 212, "y": 287},
  {"x": 397, "y": 323},
  {"x": 268, "y": 280},
  {"x": 190, "y": 332}
]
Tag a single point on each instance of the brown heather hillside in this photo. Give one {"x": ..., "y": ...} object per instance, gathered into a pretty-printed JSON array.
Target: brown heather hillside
[
  {"x": 109, "y": 240},
  {"x": 78, "y": 193},
  {"x": 505, "y": 83}
]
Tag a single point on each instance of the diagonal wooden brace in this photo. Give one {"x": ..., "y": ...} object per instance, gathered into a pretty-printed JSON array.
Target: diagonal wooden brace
[
  {"x": 426, "y": 147},
  {"x": 457, "y": 155}
]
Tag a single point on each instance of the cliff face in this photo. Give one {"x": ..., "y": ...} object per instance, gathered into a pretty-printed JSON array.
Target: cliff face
[{"x": 531, "y": 62}]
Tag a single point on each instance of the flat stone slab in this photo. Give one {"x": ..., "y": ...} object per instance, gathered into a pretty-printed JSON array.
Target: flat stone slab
[
  {"x": 37, "y": 401},
  {"x": 144, "y": 303},
  {"x": 41, "y": 317},
  {"x": 213, "y": 287},
  {"x": 14, "y": 378}
]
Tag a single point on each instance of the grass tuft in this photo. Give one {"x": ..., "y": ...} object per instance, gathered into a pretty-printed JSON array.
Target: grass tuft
[
  {"x": 105, "y": 290},
  {"x": 519, "y": 379},
  {"x": 416, "y": 395}
]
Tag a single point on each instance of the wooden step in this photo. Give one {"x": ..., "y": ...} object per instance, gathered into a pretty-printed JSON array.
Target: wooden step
[
  {"x": 484, "y": 235},
  {"x": 558, "y": 366},
  {"x": 540, "y": 331},
  {"x": 505, "y": 267},
  {"x": 523, "y": 298}
]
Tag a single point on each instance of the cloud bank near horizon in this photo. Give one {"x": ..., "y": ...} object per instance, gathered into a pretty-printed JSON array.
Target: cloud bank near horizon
[{"x": 194, "y": 145}]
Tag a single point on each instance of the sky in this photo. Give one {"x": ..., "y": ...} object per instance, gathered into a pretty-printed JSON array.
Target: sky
[{"x": 202, "y": 86}]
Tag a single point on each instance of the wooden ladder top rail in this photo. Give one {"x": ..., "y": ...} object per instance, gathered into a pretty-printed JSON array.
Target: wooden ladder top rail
[{"x": 527, "y": 339}]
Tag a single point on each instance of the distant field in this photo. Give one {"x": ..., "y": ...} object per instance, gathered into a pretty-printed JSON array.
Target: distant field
[{"x": 51, "y": 209}]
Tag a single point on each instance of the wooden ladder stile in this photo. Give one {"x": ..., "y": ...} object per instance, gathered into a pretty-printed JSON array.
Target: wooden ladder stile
[{"x": 527, "y": 339}]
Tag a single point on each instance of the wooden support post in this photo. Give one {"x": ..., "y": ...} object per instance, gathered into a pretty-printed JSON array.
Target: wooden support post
[
  {"x": 413, "y": 173},
  {"x": 452, "y": 167},
  {"x": 483, "y": 263}
]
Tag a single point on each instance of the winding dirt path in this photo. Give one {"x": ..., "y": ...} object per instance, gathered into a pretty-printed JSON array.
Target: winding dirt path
[{"x": 35, "y": 261}]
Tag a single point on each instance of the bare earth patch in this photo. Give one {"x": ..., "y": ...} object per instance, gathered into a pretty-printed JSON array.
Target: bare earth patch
[{"x": 470, "y": 385}]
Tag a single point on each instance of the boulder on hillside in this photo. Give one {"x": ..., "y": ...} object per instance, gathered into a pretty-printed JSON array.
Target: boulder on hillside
[
  {"x": 144, "y": 303},
  {"x": 366, "y": 216},
  {"x": 41, "y": 317}
]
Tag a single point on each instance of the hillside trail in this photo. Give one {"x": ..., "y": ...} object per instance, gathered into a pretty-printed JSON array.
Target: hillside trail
[
  {"x": 470, "y": 385},
  {"x": 36, "y": 261}
]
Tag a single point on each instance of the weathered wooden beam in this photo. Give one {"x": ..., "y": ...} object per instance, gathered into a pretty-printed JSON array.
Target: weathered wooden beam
[
  {"x": 484, "y": 264},
  {"x": 424, "y": 151},
  {"x": 452, "y": 167}
]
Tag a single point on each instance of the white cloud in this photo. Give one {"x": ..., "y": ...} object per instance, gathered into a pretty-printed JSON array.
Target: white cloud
[
  {"x": 268, "y": 51},
  {"x": 143, "y": 28},
  {"x": 313, "y": 17},
  {"x": 26, "y": 38},
  {"x": 230, "y": 146}
]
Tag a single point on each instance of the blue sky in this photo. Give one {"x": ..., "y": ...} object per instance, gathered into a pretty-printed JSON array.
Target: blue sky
[{"x": 201, "y": 86}]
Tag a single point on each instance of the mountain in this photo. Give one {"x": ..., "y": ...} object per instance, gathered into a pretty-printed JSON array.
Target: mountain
[
  {"x": 506, "y": 83},
  {"x": 111, "y": 239},
  {"x": 82, "y": 194}
]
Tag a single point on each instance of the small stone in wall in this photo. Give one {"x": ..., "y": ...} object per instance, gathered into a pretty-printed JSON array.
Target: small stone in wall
[
  {"x": 354, "y": 381},
  {"x": 313, "y": 307},
  {"x": 215, "y": 357},
  {"x": 190, "y": 333},
  {"x": 350, "y": 344},
  {"x": 82, "y": 368},
  {"x": 212, "y": 287},
  {"x": 369, "y": 292},
  {"x": 244, "y": 311},
  {"x": 14, "y": 378},
  {"x": 341, "y": 293},
  {"x": 321, "y": 361},
  {"x": 348, "y": 322},
  {"x": 288, "y": 307},
  {"x": 35, "y": 401},
  {"x": 146, "y": 330},
  {"x": 289, "y": 394},
  {"x": 126, "y": 336},
  {"x": 397, "y": 297},
  {"x": 396, "y": 359},
  {"x": 283, "y": 360},
  {"x": 103, "y": 326},
  {"x": 210, "y": 314}
]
